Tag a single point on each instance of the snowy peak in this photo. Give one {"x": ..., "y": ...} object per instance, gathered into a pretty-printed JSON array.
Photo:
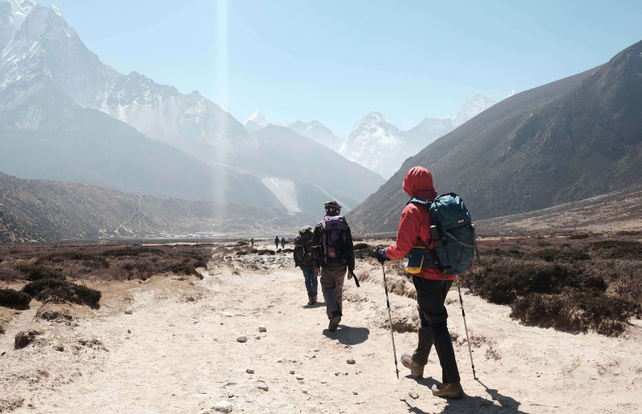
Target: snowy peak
[
  {"x": 257, "y": 121},
  {"x": 12, "y": 14},
  {"x": 473, "y": 106}
]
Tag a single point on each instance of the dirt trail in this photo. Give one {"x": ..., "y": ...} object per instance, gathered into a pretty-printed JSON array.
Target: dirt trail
[{"x": 178, "y": 352}]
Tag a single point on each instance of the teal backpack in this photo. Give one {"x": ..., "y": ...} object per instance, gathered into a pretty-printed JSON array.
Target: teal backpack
[{"x": 452, "y": 232}]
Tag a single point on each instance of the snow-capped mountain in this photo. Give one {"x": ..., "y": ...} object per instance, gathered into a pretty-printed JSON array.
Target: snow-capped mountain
[
  {"x": 317, "y": 131},
  {"x": 64, "y": 116},
  {"x": 257, "y": 121},
  {"x": 378, "y": 144},
  {"x": 472, "y": 107},
  {"x": 188, "y": 122}
]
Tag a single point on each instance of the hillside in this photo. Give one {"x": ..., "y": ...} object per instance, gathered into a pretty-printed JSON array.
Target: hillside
[
  {"x": 37, "y": 210},
  {"x": 568, "y": 140}
]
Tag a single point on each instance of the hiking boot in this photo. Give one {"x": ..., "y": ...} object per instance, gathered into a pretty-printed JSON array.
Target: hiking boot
[
  {"x": 448, "y": 390},
  {"x": 416, "y": 370},
  {"x": 313, "y": 300},
  {"x": 334, "y": 322}
]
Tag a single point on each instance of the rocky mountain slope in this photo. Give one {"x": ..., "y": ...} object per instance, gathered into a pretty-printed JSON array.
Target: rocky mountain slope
[
  {"x": 38, "y": 210},
  {"x": 377, "y": 144},
  {"x": 568, "y": 140}
]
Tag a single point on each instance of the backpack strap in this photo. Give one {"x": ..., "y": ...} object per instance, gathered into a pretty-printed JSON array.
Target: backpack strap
[{"x": 432, "y": 253}]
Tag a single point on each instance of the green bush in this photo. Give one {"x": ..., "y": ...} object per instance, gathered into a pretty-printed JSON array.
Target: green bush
[
  {"x": 10, "y": 298},
  {"x": 59, "y": 290}
]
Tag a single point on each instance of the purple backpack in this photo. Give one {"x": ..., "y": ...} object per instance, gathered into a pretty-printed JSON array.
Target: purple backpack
[{"x": 334, "y": 236}]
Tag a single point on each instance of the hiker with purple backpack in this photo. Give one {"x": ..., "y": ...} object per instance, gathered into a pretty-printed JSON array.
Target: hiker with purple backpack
[{"x": 333, "y": 255}]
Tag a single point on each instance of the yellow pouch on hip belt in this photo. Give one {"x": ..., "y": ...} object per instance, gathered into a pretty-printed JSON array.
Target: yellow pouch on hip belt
[{"x": 416, "y": 260}]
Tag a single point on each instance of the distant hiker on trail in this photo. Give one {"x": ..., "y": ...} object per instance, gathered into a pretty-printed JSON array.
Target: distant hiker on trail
[
  {"x": 252, "y": 241},
  {"x": 431, "y": 284},
  {"x": 303, "y": 259},
  {"x": 283, "y": 242},
  {"x": 276, "y": 241},
  {"x": 333, "y": 254}
]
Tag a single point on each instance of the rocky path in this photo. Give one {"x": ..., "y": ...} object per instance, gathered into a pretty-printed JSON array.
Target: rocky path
[{"x": 177, "y": 352}]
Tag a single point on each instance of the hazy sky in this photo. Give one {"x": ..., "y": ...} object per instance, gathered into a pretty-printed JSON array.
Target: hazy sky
[{"x": 336, "y": 61}]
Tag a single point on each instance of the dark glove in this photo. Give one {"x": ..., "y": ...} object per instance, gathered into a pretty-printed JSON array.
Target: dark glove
[{"x": 379, "y": 254}]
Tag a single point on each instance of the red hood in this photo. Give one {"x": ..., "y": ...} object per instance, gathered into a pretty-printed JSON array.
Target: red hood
[{"x": 418, "y": 183}]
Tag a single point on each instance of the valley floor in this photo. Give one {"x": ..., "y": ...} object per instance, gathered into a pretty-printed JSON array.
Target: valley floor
[{"x": 177, "y": 352}]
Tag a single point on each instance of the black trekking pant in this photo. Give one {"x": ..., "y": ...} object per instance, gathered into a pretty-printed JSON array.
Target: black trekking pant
[{"x": 431, "y": 295}]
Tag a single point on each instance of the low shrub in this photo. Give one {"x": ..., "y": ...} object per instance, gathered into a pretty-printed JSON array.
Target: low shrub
[
  {"x": 132, "y": 251},
  {"x": 90, "y": 260},
  {"x": 61, "y": 291},
  {"x": 361, "y": 246},
  {"x": 504, "y": 282},
  {"x": 619, "y": 249},
  {"x": 10, "y": 298},
  {"x": 577, "y": 311},
  {"x": 37, "y": 272},
  {"x": 262, "y": 252},
  {"x": 569, "y": 256},
  {"x": 183, "y": 268}
]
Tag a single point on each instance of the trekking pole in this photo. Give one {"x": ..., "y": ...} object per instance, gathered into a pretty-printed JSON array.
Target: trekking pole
[
  {"x": 394, "y": 351},
  {"x": 470, "y": 352}
]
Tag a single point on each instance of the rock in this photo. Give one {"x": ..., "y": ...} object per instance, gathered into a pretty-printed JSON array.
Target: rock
[
  {"x": 304, "y": 391},
  {"x": 230, "y": 394},
  {"x": 355, "y": 393},
  {"x": 279, "y": 360},
  {"x": 24, "y": 338},
  {"x": 59, "y": 348},
  {"x": 257, "y": 337},
  {"x": 249, "y": 371},
  {"x": 227, "y": 314},
  {"x": 351, "y": 361},
  {"x": 300, "y": 377},
  {"x": 263, "y": 386},
  {"x": 316, "y": 349},
  {"x": 323, "y": 381},
  {"x": 223, "y": 407},
  {"x": 413, "y": 394},
  {"x": 262, "y": 328},
  {"x": 129, "y": 331},
  {"x": 129, "y": 311},
  {"x": 241, "y": 338},
  {"x": 292, "y": 372}
]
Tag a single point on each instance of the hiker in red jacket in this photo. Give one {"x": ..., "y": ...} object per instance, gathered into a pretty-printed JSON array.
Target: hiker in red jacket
[{"x": 431, "y": 284}]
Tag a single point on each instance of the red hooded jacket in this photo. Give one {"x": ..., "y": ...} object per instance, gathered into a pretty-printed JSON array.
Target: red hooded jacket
[{"x": 415, "y": 221}]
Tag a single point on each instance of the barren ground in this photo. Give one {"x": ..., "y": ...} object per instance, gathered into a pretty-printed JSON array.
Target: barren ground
[{"x": 177, "y": 352}]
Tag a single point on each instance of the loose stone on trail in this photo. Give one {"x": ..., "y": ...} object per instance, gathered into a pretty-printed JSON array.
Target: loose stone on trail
[
  {"x": 300, "y": 377},
  {"x": 223, "y": 407},
  {"x": 262, "y": 328},
  {"x": 413, "y": 394},
  {"x": 129, "y": 311},
  {"x": 351, "y": 361},
  {"x": 241, "y": 338},
  {"x": 249, "y": 371},
  {"x": 263, "y": 386},
  {"x": 227, "y": 314},
  {"x": 292, "y": 372}
]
